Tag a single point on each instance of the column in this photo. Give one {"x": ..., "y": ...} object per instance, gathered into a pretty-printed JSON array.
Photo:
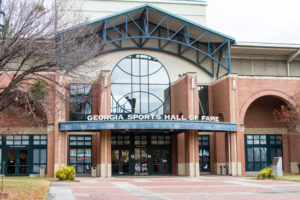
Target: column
[
  {"x": 104, "y": 140},
  {"x": 105, "y": 165},
  {"x": 191, "y": 154}
]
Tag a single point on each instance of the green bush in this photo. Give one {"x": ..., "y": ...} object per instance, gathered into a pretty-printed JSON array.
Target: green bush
[
  {"x": 266, "y": 173},
  {"x": 66, "y": 173}
]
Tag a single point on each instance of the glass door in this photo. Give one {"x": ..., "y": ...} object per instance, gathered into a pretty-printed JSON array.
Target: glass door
[
  {"x": 11, "y": 162},
  {"x": 120, "y": 161},
  {"x": 161, "y": 161},
  {"x": 17, "y": 160},
  {"x": 141, "y": 161}
]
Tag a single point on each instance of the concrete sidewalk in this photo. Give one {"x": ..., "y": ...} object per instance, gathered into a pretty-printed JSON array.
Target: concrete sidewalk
[
  {"x": 60, "y": 191},
  {"x": 175, "y": 188}
]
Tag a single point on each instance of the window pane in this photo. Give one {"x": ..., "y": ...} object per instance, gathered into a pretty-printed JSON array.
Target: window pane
[
  {"x": 250, "y": 154},
  {"x": 263, "y": 154},
  {"x": 36, "y": 169},
  {"x": 25, "y": 137},
  {"x": 73, "y": 155},
  {"x": 17, "y": 142},
  {"x": 256, "y": 139},
  {"x": 9, "y": 142},
  {"x": 36, "y": 142},
  {"x": 88, "y": 138},
  {"x": 249, "y": 139},
  {"x": 43, "y": 155},
  {"x": 88, "y": 156},
  {"x": 256, "y": 154},
  {"x": 72, "y": 137},
  {"x": 26, "y": 142},
  {"x": 36, "y": 156},
  {"x": 36, "y": 137},
  {"x": 80, "y": 168},
  {"x": 43, "y": 137},
  {"x": 80, "y": 155}
]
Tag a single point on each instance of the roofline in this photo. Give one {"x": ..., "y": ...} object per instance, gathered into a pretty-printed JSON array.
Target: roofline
[
  {"x": 154, "y": 8},
  {"x": 190, "y": 2},
  {"x": 268, "y": 44}
]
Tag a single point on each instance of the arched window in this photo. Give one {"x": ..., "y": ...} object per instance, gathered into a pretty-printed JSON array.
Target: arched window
[{"x": 140, "y": 85}]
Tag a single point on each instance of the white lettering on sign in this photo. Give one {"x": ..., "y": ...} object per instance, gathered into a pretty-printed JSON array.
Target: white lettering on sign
[{"x": 153, "y": 117}]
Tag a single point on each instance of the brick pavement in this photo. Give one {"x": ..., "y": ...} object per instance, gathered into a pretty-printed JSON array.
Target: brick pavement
[{"x": 183, "y": 188}]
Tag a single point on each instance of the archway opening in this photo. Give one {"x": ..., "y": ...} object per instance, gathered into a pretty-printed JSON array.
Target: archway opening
[{"x": 263, "y": 135}]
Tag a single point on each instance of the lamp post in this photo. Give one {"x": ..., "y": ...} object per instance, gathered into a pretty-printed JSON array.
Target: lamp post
[{"x": 2, "y": 18}]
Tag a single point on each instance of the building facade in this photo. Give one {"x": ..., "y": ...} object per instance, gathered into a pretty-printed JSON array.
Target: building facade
[{"x": 171, "y": 96}]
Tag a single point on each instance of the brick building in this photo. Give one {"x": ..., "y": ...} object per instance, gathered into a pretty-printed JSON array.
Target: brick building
[{"x": 171, "y": 97}]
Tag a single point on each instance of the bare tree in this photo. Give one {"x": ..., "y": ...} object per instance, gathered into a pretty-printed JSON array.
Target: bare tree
[{"x": 33, "y": 48}]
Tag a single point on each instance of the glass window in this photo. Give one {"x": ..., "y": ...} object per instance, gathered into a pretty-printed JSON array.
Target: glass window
[
  {"x": 260, "y": 150},
  {"x": 39, "y": 160},
  {"x": 120, "y": 140},
  {"x": 80, "y": 101},
  {"x": 161, "y": 140},
  {"x": 17, "y": 140},
  {"x": 204, "y": 153},
  {"x": 80, "y": 154},
  {"x": 40, "y": 140},
  {"x": 203, "y": 100},
  {"x": 140, "y": 84}
]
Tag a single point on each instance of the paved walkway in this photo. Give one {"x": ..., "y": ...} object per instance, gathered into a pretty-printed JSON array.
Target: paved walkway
[{"x": 175, "y": 188}]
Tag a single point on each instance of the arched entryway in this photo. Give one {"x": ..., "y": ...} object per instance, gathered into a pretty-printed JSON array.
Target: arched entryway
[{"x": 263, "y": 134}]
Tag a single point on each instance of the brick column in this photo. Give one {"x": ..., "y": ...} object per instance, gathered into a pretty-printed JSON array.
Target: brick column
[
  {"x": 191, "y": 153},
  {"x": 104, "y": 141},
  {"x": 59, "y": 140},
  {"x": 105, "y": 153},
  {"x": 50, "y": 153},
  {"x": 220, "y": 152},
  {"x": 291, "y": 151},
  {"x": 185, "y": 103}
]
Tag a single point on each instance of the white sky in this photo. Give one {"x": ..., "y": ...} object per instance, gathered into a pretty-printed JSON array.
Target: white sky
[{"x": 276, "y": 21}]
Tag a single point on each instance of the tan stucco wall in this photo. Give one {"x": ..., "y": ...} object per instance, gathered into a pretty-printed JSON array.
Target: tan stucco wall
[{"x": 173, "y": 64}]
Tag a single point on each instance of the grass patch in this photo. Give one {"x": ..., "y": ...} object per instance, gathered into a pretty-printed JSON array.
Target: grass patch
[
  {"x": 26, "y": 188},
  {"x": 289, "y": 177}
]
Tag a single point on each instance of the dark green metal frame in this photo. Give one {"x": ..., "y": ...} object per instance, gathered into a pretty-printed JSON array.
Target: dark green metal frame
[
  {"x": 207, "y": 44},
  {"x": 268, "y": 146}
]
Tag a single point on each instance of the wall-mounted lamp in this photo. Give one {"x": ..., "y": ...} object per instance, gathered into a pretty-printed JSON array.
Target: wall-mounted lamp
[
  {"x": 242, "y": 127},
  {"x": 105, "y": 81},
  {"x": 192, "y": 82}
]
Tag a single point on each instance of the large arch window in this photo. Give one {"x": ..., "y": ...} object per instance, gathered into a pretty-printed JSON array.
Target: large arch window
[{"x": 140, "y": 85}]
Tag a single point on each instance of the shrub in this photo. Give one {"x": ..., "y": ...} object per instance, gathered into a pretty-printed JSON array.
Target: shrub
[
  {"x": 266, "y": 173},
  {"x": 66, "y": 173}
]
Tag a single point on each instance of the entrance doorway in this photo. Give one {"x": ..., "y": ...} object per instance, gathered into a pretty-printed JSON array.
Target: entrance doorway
[
  {"x": 17, "y": 162},
  {"x": 141, "y": 154},
  {"x": 141, "y": 161},
  {"x": 120, "y": 161},
  {"x": 161, "y": 161}
]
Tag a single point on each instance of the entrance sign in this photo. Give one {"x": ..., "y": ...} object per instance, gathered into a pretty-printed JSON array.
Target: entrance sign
[{"x": 152, "y": 117}]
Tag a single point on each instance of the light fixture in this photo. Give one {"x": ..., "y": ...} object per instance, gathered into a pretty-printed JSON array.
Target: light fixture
[
  {"x": 192, "y": 82},
  {"x": 105, "y": 81}
]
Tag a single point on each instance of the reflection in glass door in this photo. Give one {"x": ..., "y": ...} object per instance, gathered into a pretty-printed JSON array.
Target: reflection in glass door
[
  {"x": 11, "y": 162},
  {"x": 161, "y": 161},
  {"x": 17, "y": 162},
  {"x": 120, "y": 161},
  {"x": 141, "y": 161}
]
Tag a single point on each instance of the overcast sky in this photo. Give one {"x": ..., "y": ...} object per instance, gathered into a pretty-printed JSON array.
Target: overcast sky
[{"x": 276, "y": 21}]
